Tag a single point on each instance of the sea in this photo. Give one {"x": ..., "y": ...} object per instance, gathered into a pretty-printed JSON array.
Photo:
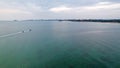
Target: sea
[{"x": 59, "y": 44}]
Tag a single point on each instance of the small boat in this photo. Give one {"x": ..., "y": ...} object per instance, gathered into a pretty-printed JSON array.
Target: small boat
[
  {"x": 23, "y": 31},
  {"x": 30, "y": 30}
]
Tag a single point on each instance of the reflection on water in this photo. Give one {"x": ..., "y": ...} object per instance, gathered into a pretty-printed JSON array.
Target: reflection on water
[{"x": 53, "y": 44}]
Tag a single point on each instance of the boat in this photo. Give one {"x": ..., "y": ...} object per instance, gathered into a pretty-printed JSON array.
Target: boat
[
  {"x": 23, "y": 31},
  {"x": 30, "y": 30}
]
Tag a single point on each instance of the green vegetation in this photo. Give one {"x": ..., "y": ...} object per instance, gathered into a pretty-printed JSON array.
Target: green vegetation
[{"x": 93, "y": 20}]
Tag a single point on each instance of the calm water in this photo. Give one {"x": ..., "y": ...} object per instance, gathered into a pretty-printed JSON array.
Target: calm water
[{"x": 53, "y": 44}]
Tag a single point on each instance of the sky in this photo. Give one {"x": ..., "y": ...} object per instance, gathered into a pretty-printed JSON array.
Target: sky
[{"x": 59, "y": 9}]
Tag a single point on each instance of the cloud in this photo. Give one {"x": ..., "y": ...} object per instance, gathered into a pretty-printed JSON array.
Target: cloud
[
  {"x": 35, "y": 9},
  {"x": 103, "y": 5},
  {"x": 98, "y": 10},
  {"x": 15, "y": 10},
  {"x": 8, "y": 11},
  {"x": 60, "y": 9},
  {"x": 98, "y": 6}
]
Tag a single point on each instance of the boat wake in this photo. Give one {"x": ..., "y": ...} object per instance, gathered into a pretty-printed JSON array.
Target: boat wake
[{"x": 13, "y": 34}]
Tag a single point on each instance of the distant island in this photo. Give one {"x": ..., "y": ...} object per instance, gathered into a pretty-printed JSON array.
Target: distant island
[
  {"x": 93, "y": 20},
  {"x": 81, "y": 20}
]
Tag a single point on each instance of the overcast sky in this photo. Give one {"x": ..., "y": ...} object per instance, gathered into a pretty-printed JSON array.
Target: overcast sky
[{"x": 59, "y": 9}]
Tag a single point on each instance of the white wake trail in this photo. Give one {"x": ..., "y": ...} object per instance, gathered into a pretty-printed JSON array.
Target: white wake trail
[{"x": 13, "y": 34}]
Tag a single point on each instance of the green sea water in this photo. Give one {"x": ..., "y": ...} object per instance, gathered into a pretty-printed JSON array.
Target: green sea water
[{"x": 54, "y": 44}]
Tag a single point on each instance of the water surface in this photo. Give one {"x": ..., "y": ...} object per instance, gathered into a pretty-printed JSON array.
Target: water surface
[{"x": 53, "y": 44}]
